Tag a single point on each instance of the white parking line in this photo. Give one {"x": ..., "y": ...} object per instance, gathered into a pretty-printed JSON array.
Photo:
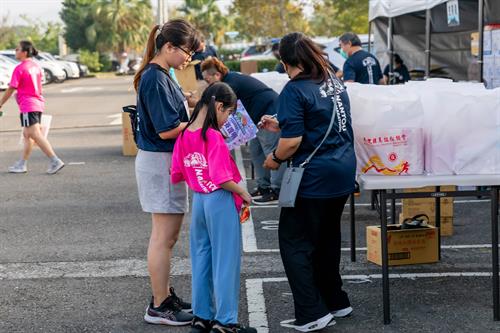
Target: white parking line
[{"x": 257, "y": 313}]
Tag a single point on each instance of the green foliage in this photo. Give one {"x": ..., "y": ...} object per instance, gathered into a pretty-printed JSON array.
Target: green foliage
[
  {"x": 334, "y": 17},
  {"x": 267, "y": 65},
  {"x": 207, "y": 17},
  {"x": 107, "y": 25},
  {"x": 105, "y": 62},
  {"x": 233, "y": 65},
  {"x": 268, "y": 18},
  {"x": 91, "y": 59},
  {"x": 43, "y": 35}
]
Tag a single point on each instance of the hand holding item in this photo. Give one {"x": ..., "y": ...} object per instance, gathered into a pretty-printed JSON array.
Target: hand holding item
[
  {"x": 269, "y": 123},
  {"x": 270, "y": 163},
  {"x": 245, "y": 213}
]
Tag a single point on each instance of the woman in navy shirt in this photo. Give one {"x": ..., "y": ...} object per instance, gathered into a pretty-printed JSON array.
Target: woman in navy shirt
[
  {"x": 162, "y": 115},
  {"x": 309, "y": 233}
]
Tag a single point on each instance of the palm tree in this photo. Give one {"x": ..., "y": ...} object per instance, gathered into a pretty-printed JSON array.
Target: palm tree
[{"x": 206, "y": 16}]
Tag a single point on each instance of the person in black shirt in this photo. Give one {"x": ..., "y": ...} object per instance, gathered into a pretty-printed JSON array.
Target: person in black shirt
[
  {"x": 203, "y": 52},
  {"x": 361, "y": 66},
  {"x": 258, "y": 99},
  {"x": 399, "y": 74}
]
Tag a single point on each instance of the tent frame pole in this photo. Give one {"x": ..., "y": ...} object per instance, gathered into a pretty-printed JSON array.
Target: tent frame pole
[
  {"x": 427, "y": 43},
  {"x": 480, "y": 56},
  {"x": 391, "y": 47},
  {"x": 369, "y": 36}
]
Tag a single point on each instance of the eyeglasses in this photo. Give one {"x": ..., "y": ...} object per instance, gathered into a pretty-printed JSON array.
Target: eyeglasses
[{"x": 190, "y": 54}]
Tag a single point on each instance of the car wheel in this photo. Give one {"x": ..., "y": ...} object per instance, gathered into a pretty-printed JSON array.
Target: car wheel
[{"x": 49, "y": 76}]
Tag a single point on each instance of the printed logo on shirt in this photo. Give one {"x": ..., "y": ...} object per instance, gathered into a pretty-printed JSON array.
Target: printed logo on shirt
[
  {"x": 195, "y": 160},
  {"x": 369, "y": 63},
  {"x": 327, "y": 90}
]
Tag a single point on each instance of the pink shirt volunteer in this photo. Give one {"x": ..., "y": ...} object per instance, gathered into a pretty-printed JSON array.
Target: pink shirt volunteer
[
  {"x": 204, "y": 165},
  {"x": 27, "y": 79}
]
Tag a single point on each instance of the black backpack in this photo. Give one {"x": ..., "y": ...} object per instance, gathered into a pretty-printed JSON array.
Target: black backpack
[{"x": 132, "y": 112}]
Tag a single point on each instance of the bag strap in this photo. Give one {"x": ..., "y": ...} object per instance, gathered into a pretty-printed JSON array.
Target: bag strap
[{"x": 308, "y": 159}]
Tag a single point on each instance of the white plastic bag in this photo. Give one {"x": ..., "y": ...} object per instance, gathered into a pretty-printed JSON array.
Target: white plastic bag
[{"x": 389, "y": 152}]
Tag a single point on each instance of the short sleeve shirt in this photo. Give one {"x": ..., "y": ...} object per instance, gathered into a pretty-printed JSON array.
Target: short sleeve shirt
[
  {"x": 27, "y": 80},
  {"x": 161, "y": 107},
  {"x": 362, "y": 67},
  {"x": 257, "y": 98},
  {"x": 305, "y": 109}
]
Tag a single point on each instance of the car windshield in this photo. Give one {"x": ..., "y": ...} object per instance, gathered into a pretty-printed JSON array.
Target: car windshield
[{"x": 49, "y": 56}]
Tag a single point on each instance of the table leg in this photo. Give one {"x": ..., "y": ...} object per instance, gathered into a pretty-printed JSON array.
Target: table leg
[
  {"x": 438, "y": 221},
  {"x": 494, "y": 248},
  {"x": 393, "y": 209},
  {"x": 385, "y": 257},
  {"x": 373, "y": 199},
  {"x": 353, "y": 228}
]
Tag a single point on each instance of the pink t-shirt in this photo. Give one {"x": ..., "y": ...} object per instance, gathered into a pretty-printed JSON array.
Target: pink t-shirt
[
  {"x": 204, "y": 165},
  {"x": 27, "y": 79}
]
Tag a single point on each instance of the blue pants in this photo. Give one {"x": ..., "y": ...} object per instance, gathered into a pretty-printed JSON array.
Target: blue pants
[
  {"x": 215, "y": 256},
  {"x": 260, "y": 147}
]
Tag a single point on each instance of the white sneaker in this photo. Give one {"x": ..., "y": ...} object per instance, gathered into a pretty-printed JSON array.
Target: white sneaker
[
  {"x": 312, "y": 326},
  {"x": 55, "y": 166},
  {"x": 342, "y": 313},
  {"x": 18, "y": 167}
]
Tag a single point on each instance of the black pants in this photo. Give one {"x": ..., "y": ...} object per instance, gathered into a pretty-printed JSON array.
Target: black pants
[{"x": 309, "y": 237}]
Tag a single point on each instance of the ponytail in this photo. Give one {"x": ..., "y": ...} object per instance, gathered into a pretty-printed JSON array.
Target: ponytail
[
  {"x": 27, "y": 46},
  {"x": 148, "y": 56},
  {"x": 178, "y": 32},
  {"x": 298, "y": 50}
]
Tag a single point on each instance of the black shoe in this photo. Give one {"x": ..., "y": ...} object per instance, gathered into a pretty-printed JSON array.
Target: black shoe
[
  {"x": 185, "y": 306},
  {"x": 269, "y": 198},
  {"x": 259, "y": 192},
  {"x": 168, "y": 313},
  {"x": 231, "y": 328},
  {"x": 199, "y": 325}
]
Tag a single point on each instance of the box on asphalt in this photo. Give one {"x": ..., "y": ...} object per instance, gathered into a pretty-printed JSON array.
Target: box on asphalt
[
  {"x": 129, "y": 148},
  {"x": 405, "y": 246}
]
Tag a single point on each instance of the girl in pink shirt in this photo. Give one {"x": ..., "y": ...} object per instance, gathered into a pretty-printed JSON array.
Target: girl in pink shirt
[
  {"x": 202, "y": 159},
  {"x": 27, "y": 81}
]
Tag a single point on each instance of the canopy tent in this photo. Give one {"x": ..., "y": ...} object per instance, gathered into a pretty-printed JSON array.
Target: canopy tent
[{"x": 419, "y": 31}]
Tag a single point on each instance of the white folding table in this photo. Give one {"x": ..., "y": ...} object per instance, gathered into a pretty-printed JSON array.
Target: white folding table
[{"x": 386, "y": 187}]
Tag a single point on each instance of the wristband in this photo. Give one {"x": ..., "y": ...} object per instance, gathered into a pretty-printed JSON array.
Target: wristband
[{"x": 276, "y": 159}]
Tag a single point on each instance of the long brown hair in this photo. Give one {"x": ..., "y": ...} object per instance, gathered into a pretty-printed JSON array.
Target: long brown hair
[
  {"x": 178, "y": 32},
  {"x": 214, "y": 64},
  {"x": 298, "y": 50}
]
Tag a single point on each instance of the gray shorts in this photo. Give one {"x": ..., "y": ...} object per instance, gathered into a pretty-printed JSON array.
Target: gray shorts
[{"x": 156, "y": 193}]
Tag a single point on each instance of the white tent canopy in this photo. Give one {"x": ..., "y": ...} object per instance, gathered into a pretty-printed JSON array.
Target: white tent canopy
[{"x": 393, "y": 8}]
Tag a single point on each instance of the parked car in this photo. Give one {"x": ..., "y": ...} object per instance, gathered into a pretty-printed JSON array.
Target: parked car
[
  {"x": 53, "y": 72},
  {"x": 74, "y": 57},
  {"x": 4, "y": 78},
  {"x": 71, "y": 68},
  {"x": 10, "y": 64}
]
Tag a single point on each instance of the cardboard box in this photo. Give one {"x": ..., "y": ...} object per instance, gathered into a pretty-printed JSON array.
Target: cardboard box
[
  {"x": 249, "y": 67},
  {"x": 405, "y": 247},
  {"x": 412, "y": 207},
  {"x": 129, "y": 147},
  {"x": 446, "y": 223},
  {"x": 187, "y": 77}
]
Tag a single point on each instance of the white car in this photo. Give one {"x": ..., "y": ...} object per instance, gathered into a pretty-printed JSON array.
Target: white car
[
  {"x": 8, "y": 65},
  {"x": 53, "y": 72},
  {"x": 71, "y": 68},
  {"x": 4, "y": 78}
]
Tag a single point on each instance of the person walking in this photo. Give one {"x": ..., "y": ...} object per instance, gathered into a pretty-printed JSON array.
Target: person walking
[
  {"x": 258, "y": 99},
  {"x": 202, "y": 159},
  {"x": 162, "y": 115},
  {"x": 27, "y": 81},
  {"x": 314, "y": 112},
  {"x": 360, "y": 66}
]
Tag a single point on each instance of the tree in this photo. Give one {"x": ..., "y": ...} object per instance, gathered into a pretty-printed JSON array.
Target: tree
[
  {"x": 269, "y": 18},
  {"x": 206, "y": 17},
  {"x": 107, "y": 25},
  {"x": 334, "y": 17}
]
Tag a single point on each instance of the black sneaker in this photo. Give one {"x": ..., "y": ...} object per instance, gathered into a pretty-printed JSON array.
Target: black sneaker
[
  {"x": 199, "y": 325},
  {"x": 269, "y": 198},
  {"x": 259, "y": 192},
  {"x": 231, "y": 328},
  {"x": 185, "y": 306},
  {"x": 168, "y": 313}
]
